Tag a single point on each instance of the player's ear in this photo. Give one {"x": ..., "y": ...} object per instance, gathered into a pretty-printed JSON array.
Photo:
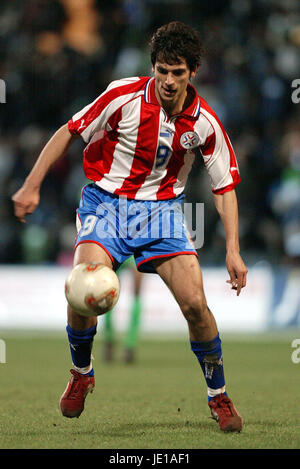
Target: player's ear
[{"x": 193, "y": 72}]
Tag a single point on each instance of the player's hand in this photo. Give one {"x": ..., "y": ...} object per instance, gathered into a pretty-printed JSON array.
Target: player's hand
[
  {"x": 237, "y": 271},
  {"x": 25, "y": 201}
]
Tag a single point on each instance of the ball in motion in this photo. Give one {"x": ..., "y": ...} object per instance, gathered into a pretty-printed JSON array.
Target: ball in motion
[{"x": 92, "y": 289}]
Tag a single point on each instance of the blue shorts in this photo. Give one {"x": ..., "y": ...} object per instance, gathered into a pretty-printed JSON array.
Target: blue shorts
[{"x": 124, "y": 227}]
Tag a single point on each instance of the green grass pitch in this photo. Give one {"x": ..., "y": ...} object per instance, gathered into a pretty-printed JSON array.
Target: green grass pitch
[{"x": 158, "y": 403}]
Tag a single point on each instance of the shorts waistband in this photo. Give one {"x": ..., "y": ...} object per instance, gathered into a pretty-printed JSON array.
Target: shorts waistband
[{"x": 115, "y": 196}]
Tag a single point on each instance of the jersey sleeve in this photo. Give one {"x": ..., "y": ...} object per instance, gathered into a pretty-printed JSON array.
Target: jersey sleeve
[
  {"x": 218, "y": 155},
  {"x": 95, "y": 116}
]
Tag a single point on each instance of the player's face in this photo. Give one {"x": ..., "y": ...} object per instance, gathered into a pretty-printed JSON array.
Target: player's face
[{"x": 171, "y": 82}]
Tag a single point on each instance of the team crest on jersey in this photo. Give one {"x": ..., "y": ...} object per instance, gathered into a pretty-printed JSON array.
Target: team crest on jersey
[{"x": 189, "y": 140}]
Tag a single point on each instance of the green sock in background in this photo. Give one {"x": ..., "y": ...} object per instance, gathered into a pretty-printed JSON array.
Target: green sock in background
[{"x": 134, "y": 323}]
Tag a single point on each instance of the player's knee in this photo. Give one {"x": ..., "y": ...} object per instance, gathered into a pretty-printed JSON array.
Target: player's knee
[
  {"x": 79, "y": 322},
  {"x": 195, "y": 310}
]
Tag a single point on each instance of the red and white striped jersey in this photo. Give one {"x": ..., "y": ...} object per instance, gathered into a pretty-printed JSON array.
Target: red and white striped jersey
[{"x": 135, "y": 149}]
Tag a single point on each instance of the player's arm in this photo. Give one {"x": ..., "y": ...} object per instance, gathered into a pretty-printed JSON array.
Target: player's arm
[
  {"x": 26, "y": 199},
  {"x": 227, "y": 208}
]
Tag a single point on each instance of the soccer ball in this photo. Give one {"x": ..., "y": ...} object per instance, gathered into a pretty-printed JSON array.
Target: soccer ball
[{"x": 92, "y": 289}]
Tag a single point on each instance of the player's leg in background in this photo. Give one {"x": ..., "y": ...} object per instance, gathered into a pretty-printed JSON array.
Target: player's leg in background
[
  {"x": 109, "y": 333},
  {"x": 128, "y": 267},
  {"x": 108, "y": 336},
  {"x": 132, "y": 335}
]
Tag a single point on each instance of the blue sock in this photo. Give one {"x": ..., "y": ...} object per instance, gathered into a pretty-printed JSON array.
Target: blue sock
[
  {"x": 81, "y": 343},
  {"x": 209, "y": 355}
]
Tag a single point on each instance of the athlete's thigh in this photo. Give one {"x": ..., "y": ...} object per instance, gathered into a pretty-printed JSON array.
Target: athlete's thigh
[
  {"x": 86, "y": 252},
  {"x": 182, "y": 274},
  {"x": 91, "y": 252}
]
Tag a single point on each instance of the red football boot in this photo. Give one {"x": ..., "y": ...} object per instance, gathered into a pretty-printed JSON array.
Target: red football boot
[
  {"x": 224, "y": 412},
  {"x": 72, "y": 401}
]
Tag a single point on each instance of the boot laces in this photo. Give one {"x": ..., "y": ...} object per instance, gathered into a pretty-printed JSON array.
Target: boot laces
[
  {"x": 223, "y": 404},
  {"x": 76, "y": 385}
]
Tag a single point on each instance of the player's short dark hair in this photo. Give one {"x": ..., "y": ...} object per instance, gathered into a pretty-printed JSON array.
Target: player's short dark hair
[{"x": 174, "y": 41}]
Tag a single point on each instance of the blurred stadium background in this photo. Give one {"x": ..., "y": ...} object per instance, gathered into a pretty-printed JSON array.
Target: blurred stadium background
[{"x": 58, "y": 55}]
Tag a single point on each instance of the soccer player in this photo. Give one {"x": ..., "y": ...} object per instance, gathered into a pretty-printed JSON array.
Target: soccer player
[{"x": 141, "y": 134}]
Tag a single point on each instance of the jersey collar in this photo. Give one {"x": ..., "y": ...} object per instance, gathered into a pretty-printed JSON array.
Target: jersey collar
[{"x": 192, "y": 112}]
